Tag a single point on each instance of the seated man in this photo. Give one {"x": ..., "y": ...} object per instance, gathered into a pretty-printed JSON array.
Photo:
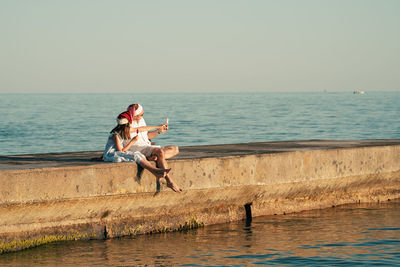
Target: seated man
[{"x": 144, "y": 146}]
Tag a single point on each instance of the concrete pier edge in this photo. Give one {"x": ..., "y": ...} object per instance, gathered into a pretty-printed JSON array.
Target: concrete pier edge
[{"x": 66, "y": 196}]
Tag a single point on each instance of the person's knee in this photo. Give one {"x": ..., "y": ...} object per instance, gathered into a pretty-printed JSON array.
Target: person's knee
[
  {"x": 176, "y": 150},
  {"x": 172, "y": 151}
]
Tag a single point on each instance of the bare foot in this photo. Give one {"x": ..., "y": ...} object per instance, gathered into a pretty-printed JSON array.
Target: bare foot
[
  {"x": 173, "y": 186},
  {"x": 161, "y": 173}
]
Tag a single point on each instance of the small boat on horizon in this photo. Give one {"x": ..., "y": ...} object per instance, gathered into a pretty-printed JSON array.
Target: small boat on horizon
[{"x": 358, "y": 92}]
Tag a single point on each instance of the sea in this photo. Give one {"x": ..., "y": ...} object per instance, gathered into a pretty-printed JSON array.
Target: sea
[{"x": 356, "y": 234}]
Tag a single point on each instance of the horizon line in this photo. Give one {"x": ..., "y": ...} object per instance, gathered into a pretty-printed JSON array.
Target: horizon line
[{"x": 191, "y": 92}]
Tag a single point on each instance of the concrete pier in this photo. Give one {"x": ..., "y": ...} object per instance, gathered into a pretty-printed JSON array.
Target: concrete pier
[{"x": 69, "y": 196}]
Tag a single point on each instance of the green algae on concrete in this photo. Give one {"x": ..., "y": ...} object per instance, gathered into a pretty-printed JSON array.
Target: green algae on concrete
[
  {"x": 132, "y": 227},
  {"x": 17, "y": 245}
]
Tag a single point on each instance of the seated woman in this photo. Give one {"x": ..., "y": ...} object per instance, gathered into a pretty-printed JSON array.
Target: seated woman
[{"x": 119, "y": 142}]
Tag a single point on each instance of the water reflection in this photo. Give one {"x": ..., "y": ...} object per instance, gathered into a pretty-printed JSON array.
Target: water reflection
[{"x": 351, "y": 234}]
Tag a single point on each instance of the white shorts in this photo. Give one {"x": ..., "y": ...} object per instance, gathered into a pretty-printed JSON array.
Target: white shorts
[{"x": 145, "y": 150}]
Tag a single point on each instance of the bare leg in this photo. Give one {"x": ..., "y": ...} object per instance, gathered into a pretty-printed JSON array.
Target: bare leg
[
  {"x": 169, "y": 152},
  {"x": 162, "y": 163},
  {"x": 158, "y": 172},
  {"x": 152, "y": 158}
]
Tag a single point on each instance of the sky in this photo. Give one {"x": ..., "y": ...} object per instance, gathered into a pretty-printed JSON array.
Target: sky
[{"x": 126, "y": 46}]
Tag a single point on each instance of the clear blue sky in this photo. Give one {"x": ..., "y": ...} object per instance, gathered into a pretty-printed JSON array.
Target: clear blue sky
[{"x": 98, "y": 46}]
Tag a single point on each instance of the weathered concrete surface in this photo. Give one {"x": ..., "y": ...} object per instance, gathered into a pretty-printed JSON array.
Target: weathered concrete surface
[{"x": 66, "y": 196}]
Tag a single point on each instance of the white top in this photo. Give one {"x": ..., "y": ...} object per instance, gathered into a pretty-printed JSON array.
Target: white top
[
  {"x": 112, "y": 154},
  {"x": 143, "y": 138}
]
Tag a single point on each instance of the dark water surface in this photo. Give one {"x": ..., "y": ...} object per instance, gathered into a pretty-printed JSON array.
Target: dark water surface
[{"x": 356, "y": 234}]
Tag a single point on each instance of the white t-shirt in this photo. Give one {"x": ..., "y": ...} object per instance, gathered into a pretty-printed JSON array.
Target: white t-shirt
[{"x": 143, "y": 138}]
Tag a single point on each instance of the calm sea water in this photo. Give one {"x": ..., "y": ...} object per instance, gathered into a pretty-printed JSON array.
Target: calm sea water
[
  {"x": 354, "y": 235},
  {"x": 43, "y": 123}
]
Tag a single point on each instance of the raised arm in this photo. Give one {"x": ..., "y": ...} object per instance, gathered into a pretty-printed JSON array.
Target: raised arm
[
  {"x": 125, "y": 148},
  {"x": 146, "y": 128},
  {"x": 162, "y": 129}
]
